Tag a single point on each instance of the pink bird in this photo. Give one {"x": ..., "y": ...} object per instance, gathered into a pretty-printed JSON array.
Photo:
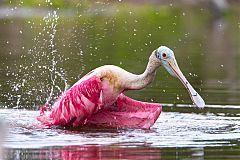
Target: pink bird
[{"x": 97, "y": 99}]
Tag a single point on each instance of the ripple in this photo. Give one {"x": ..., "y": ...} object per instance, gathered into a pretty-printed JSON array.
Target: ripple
[{"x": 172, "y": 129}]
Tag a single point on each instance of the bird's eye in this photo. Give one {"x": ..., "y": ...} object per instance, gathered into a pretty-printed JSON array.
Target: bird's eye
[{"x": 164, "y": 55}]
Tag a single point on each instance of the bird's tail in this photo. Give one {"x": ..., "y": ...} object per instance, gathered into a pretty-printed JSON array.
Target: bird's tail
[{"x": 44, "y": 118}]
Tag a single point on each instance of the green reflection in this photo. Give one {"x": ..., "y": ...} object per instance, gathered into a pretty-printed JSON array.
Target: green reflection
[{"x": 122, "y": 35}]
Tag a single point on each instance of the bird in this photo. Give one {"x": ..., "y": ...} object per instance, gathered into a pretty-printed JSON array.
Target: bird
[{"x": 98, "y": 99}]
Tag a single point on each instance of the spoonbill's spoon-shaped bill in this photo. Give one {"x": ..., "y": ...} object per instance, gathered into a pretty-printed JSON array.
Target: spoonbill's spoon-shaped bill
[{"x": 168, "y": 60}]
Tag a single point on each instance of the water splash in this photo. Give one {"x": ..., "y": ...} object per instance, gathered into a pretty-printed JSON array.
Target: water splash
[
  {"x": 51, "y": 22},
  {"x": 40, "y": 78}
]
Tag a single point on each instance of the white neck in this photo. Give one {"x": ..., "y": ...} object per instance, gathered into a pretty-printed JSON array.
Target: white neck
[{"x": 142, "y": 80}]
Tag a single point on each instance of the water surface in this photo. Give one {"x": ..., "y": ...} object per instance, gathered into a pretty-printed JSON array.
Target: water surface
[{"x": 187, "y": 133}]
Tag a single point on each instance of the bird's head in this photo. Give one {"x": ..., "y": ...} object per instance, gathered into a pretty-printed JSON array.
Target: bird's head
[{"x": 167, "y": 59}]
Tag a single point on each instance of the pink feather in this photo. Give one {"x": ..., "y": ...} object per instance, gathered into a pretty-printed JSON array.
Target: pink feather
[
  {"x": 76, "y": 105},
  {"x": 82, "y": 105},
  {"x": 127, "y": 113}
]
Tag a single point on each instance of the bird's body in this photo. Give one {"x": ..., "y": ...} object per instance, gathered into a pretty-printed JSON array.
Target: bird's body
[
  {"x": 98, "y": 99},
  {"x": 115, "y": 80}
]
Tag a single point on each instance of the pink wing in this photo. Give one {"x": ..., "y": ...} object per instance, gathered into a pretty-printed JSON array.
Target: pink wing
[
  {"x": 82, "y": 104},
  {"x": 127, "y": 113},
  {"x": 76, "y": 105}
]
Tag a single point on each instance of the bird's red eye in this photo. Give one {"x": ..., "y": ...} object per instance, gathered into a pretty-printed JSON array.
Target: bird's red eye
[{"x": 164, "y": 55}]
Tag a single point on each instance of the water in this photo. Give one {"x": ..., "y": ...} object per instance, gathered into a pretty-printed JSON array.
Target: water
[
  {"x": 67, "y": 46},
  {"x": 176, "y": 134}
]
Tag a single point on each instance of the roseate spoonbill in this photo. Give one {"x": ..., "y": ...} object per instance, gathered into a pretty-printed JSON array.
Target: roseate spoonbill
[{"x": 97, "y": 98}]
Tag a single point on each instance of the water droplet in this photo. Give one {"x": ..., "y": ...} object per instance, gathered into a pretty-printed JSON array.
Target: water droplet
[{"x": 220, "y": 82}]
